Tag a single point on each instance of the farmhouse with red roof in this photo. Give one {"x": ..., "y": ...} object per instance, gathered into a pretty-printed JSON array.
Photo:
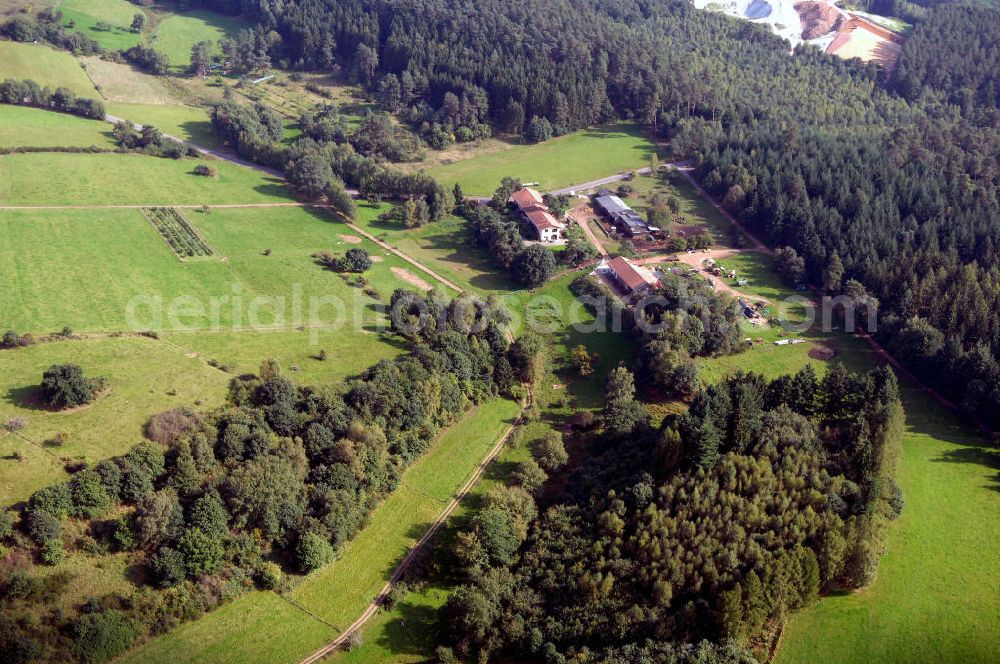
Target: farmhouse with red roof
[{"x": 532, "y": 206}]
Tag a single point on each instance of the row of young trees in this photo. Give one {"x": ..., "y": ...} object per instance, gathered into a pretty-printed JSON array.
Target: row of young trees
[
  {"x": 273, "y": 483},
  {"x": 658, "y": 539},
  {"x": 30, "y": 93}
]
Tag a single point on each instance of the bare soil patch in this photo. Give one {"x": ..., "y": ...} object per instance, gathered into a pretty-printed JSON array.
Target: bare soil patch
[
  {"x": 411, "y": 278},
  {"x": 351, "y": 239},
  {"x": 818, "y": 19},
  {"x": 377, "y": 259},
  {"x": 823, "y": 353}
]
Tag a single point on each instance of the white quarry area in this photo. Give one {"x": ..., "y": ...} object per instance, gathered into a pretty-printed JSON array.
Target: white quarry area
[{"x": 779, "y": 14}]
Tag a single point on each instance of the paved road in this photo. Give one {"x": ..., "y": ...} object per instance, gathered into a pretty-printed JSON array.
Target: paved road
[{"x": 594, "y": 184}]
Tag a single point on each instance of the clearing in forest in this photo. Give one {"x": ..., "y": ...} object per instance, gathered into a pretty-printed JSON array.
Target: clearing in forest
[
  {"x": 108, "y": 22},
  {"x": 576, "y": 158},
  {"x": 175, "y": 35}
]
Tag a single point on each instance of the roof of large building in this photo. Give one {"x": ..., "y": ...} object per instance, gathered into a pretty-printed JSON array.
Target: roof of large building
[
  {"x": 540, "y": 218},
  {"x": 612, "y": 204},
  {"x": 632, "y": 276},
  {"x": 525, "y": 198},
  {"x": 633, "y": 221}
]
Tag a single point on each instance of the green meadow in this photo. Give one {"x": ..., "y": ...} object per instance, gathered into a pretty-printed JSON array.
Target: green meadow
[
  {"x": 82, "y": 268},
  {"x": 188, "y": 123},
  {"x": 262, "y": 627},
  {"x": 175, "y": 35},
  {"x": 46, "y": 66},
  {"x": 348, "y": 352},
  {"x": 85, "y": 15},
  {"x": 579, "y": 157},
  {"x": 146, "y": 377},
  {"x": 114, "y": 179},
  {"x": 21, "y": 126}
]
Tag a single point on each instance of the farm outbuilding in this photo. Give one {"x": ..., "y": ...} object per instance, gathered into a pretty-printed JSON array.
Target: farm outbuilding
[
  {"x": 633, "y": 279},
  {"x": 626, "y": 220}
]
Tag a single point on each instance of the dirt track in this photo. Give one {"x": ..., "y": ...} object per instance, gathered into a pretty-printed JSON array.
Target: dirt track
[
  {"x": 696, "y": 261},
  {"x": 582, "y": 214}
]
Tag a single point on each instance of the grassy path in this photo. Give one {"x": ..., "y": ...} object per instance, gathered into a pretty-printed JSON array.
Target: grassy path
[{"x": 263, "y": 627}]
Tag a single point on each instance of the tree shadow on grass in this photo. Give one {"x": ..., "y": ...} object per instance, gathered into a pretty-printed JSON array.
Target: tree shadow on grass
[
  {"x": 28, "y": 397},
  {"x": 982, "y": 456},
  {"x": 274, "y": 187},
  {"x": 413, "y": 633},
  {"x": 201, "y": 132},
  {"x": 416, "y": 531}
]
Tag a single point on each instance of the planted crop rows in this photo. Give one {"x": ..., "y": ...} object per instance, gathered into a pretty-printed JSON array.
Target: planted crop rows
[{"x": 178, "y": 232}]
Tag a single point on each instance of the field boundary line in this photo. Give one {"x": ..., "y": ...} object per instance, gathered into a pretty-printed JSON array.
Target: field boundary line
[
  {"x": 408, "y": 487},
  {"x": 292, "y": 602}
]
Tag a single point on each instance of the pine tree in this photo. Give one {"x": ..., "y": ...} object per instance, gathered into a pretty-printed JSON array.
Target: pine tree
[
  {"x": 755, "y": 604},
  {"x": 729, "y": 614}
]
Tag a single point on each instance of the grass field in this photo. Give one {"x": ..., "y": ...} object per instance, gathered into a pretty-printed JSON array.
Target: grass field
[
  {"x": 86, "y": 14},
  {"x": 45, "y": 66},
  {"x": 579, "y": 157},
  {"x": 260, "y": 628},
  {"x": 348, "y": 354},
  {"x": 114, "y": 179},
  {"x": 445, "y": 246},
  {"x": 21, "y": 126},
  {"x": 92, "y": 263},
  {"x": 175, "y": 35},
  {"x": 146, "y": 377},
  {"x": 188, "y": 123}
]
